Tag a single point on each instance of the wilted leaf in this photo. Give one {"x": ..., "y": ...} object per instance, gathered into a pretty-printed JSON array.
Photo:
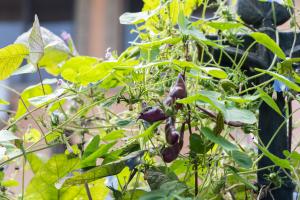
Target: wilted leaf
[{"x": 36, "y": 44}]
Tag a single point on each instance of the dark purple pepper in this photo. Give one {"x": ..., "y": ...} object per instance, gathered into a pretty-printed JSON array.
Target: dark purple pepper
[
  {"x": 179, "y": 89},
  {"x": 172, "y": 136},
  {"x": 152, "y": 115},
  {"x": 170, "y": 153}
]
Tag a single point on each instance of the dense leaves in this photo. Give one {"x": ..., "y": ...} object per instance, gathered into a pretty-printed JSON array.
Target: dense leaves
[{"x": 165, "y": 119}]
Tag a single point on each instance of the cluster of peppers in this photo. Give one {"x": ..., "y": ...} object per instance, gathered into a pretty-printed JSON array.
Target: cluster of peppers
[{"x": 174, "y": 139}]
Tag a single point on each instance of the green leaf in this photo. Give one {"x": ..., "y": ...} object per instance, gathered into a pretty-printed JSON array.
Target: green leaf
[
  {"x": 11, "y": 57},
  {"x": 215, "y": 72},
  {"x": 138, "y": 17},
  {"x": 239, "y": 115},
  {"x": 105, "y": 170},
  {"x": 92, "y": 146},
  {"x": 124, "y": 122},
  {"x": 198, "y": 145},
  {"x": 73, "y": 69},
  {"x": 35, "y": 162},
  {"x": 114, "y": 135},
  {"x": 6, "y": 135},
  {"x": 281, "y": 78},
  {"x": 225, "y": 144},
  {"x": 36, "y": 44},
  {"x": 283, "y": 163},
  {"x": 157, "y": 176},
  {"x": 32, "y": 135},
  {"x": 289, "y": 61},
  {"x": 148, "y": 133},
  {"x": 269, "y": 43},
  {"x": 223, "y": 26},
  {"x": 243, "y": 99},
  {"x": 42, "y": 186},
  {"x": 241, "y": 179},
  {"x": 242, "y": 159},
  {"x": 198, "y": 97},
  {"x": 54, "y": 54},
  {"x": 43, "y": 100},
  {"x": 212, "y": 71},
  {"x": 101, "y": 151},
  {"x": 183, "y": 22},
  {"x": 30, "y": 92},
  {"x": 156, "y": 43},
  {"x": 268, "y": 100}
]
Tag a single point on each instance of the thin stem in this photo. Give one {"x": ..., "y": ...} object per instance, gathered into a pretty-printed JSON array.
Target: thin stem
[{"x": 87, "y": 189}]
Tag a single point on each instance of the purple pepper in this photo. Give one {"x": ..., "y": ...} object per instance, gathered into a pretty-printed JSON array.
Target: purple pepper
[
  {"x": 170, "y": 153},
  {"x": 179, "y": 89},
  {"x": 172, "y": 136},
  {"x": 152, "y": 115}
]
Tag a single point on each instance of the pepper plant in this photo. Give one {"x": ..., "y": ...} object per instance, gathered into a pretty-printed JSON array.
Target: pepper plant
[{"x": 156, "y": 121}]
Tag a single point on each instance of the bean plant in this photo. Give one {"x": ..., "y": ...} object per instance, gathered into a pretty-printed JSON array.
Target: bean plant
[{"x": 161, "y": 120}]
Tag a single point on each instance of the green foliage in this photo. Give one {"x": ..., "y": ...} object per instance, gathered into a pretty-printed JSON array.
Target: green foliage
[{"x": 93, "y": 107}]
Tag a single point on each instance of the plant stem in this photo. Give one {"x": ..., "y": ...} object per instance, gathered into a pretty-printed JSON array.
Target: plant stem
[
  {"x": 87, "y": 189},
  {"x": 196, "y": 178}
]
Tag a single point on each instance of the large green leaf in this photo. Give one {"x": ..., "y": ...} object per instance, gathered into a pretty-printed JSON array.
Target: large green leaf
[
  {"x": 269, "y": 43},
  {"x": 105, "y": 170},
  {"x": 44, "y": 184},
  {"x": 225, "y": 144},
  {"x": 281, "y": 78},
  {"x": 239, "y": 115},
  {"x": 35, "y": 162},
  {"x": 11, "y": 57},
  {"x": 268, "y": 100}
]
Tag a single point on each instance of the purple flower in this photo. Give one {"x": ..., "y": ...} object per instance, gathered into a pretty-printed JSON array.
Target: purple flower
[{"x": 65, "y": 36}]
